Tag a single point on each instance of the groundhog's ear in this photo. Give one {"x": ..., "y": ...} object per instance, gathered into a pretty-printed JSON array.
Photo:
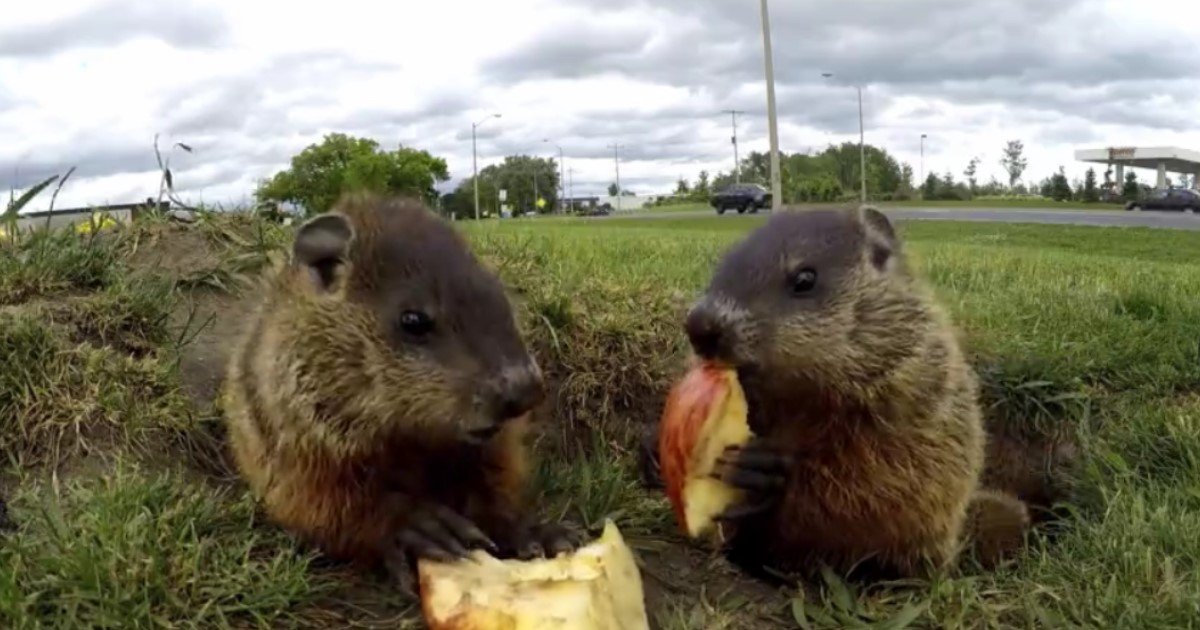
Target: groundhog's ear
[
  {"x": 321, "y": 246},
  {"x": 881, "y": 236}
]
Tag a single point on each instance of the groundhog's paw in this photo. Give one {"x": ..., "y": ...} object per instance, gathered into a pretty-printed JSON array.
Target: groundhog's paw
[
  {"x": 759, "y": 469},
  {"x": 756, "y": 467},
  {"x": 648, "y": 466},
  {"x": 439, "y": 533},
  {"x": 546, "y": 540}
]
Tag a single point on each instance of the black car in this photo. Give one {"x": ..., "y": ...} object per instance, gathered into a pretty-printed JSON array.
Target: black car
[
  {"x": 1183, "y": 199},
  {"x": 741, "y": 197}
]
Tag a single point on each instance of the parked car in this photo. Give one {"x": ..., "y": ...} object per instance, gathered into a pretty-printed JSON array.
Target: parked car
[
  {"x": 741, "y": 197},
  {"x": 1182, "y": 199}
]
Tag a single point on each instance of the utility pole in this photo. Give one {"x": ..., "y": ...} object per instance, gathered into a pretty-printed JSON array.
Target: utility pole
[
  {"x": 617, "y": 163},
  {"x": 562, "y": 179},
  {"x": 862, "y": 150},
  {"x": 776, "y": 184},
  {"x": 475, "y": 162},
  {"x": 737, "y": 170},
  {"x": 571, "y": 187}
]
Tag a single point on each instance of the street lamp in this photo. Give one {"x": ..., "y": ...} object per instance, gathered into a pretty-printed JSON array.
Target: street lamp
[
  {"x": 562, "y": 180},
  {"x": 922, "y": 181},
  {"x": 475, "y": 162},
  {"x": 862, "y": 151},
  {"x": 776, "y": 181}
]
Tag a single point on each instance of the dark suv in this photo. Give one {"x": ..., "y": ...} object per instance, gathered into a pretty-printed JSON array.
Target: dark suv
[
  {"x": 1184, "y": 199},
  {"x": 741, "y": 197}
]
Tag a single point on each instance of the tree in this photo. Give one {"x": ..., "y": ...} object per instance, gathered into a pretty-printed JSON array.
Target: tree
[
  {"x": 929, "y": 190},
  {"x": 1060, "y": 188},
  {"x": 1091, "y": 194},
  {"x": 681, "y": 187},
  {"x": 520, "y": 176},
  {"x": 1130, "y": 190},
  {"x": 972, "y": 168},
  {"x": 1046, "y": 187},
  {"x": 613, "y": 190},
  {"x": 702, "y": 184},
  {"x": 338, "y": 164},
  {"x": 1014, "y": 161}
]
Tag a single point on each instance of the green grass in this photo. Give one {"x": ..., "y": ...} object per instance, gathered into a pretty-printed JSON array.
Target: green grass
[{"x": 1089, "y": 329}]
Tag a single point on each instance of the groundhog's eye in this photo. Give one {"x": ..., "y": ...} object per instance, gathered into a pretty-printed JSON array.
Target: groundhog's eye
[
  {"x": 804, "y": 281},
  {"x": 416, "y": 323}
]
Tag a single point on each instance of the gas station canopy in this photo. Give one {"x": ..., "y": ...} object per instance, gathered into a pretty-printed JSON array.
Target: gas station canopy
[{"x": 1161, "y": 159}]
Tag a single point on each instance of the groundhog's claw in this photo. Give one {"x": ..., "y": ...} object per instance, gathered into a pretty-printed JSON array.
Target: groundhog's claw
[
  {"x": 547, "y": 540},
  {"x": 745, "y": 510},
  {"x": 756, "y": 467},
  {"x": 440, "y": 534}
]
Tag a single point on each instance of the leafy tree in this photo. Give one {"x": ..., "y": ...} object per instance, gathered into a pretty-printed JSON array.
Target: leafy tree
[
  {"x": 613, "y": 190},
  {"x": 521, "y": 176},
  {"x": 1014, "y": 161},
  {"x": 929, "y": 190},
  {"x": 1130, "y": 191},
  {"x": 906, "y": 177},
  {"x": 323, "y": 171},
  {"x": 1091, "y": 194},
  {"x": 972, "y": 168},
  {"x": 1060, "y": 188},
  {"x": 755, "y": 168},
  {"x": 1046, "y": 187},
  {"x": 702, "y": 187},
  {"x": 681, "y": 187}
]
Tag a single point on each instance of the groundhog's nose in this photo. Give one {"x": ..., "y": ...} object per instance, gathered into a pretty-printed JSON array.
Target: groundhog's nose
[
  {"x": 517, "y": 391},
  {"x": 705, "y": 331}
]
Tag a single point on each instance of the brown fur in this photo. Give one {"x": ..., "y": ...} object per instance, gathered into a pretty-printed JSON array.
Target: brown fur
[
  {"x": 341, "y": 427},
  {"x": 861, "y": 381}
]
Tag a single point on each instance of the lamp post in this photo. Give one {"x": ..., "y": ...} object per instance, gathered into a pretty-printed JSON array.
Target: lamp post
[
  {"x": 475, "y": 162},
  {"x": 562, "y": 179},
  {"x": 769, "y": 67},
  {"x": 922, "y": 182},
  {"x": 617, "y": 165},
  {"x": 862, "y": 151}
]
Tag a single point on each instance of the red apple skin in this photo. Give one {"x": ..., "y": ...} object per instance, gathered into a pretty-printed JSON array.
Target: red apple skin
[{"x": 688, "y": 406}]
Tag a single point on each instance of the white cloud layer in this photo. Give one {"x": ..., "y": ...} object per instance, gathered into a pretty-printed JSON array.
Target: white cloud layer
[{"x": 247, "y": 84}]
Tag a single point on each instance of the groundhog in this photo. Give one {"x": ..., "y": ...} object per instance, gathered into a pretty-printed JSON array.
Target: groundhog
[
  {"x": 377, "y": 403},
  {"x": 869, "y": 441}
]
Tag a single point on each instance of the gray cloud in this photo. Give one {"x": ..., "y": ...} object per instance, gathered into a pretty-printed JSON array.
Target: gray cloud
[
  {"x": 184, "y": 24},
  {"x": 90, "y": 160},
  {"x": 916, "y": 46}
]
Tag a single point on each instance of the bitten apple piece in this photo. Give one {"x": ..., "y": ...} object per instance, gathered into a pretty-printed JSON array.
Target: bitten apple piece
[
  {"x": 705, "y": 413},
  {"x": 598, "y": 587}
]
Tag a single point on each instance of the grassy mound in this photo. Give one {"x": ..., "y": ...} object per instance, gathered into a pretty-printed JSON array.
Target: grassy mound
[{"x": 111, "y": 345}]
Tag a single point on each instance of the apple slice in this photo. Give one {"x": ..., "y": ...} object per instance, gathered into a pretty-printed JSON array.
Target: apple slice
[
  {"x": 598, "y": 587},
  {"x": 705, "y": 413}
]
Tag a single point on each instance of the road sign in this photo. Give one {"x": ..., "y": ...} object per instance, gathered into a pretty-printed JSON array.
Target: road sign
[
  {"x": 503, "y": 195},
  {"x": 541, "y": 203}
]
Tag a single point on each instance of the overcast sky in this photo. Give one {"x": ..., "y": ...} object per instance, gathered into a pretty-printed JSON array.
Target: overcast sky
[{"x": 247, "y": 84}]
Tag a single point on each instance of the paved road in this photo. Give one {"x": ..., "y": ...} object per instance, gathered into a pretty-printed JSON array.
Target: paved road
[{"x": 1167, "y": 220}]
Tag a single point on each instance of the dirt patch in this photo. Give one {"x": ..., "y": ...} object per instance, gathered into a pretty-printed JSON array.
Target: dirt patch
[
  {"x": 217, "y": 321},
  {"x": 175, "y": 251},
  {"x": 688, "y": 587}
]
